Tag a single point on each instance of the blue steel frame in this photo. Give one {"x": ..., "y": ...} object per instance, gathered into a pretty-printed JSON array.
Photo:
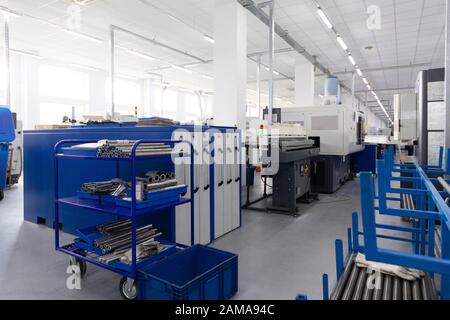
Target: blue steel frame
[
  {"x": 430, "y": 209},
  {"x": 79, "y": 254}
]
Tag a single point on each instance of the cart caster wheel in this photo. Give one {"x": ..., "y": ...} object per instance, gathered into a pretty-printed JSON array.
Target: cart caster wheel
[
  {"x": 128, "y": 288},
  {"x": 2, "y": 195},
  {"x": 81, "y": 264}
]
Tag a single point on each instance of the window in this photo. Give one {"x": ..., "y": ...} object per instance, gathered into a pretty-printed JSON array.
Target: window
[
  {"x": 169, "y": 109},
  {"x": 252, "y": 110},
  {"x": 53, "y": 113},
  {"x": 127, "y": 95},
  {"x": 192, "y": 107},
  {"x": 60, "y": 82}
]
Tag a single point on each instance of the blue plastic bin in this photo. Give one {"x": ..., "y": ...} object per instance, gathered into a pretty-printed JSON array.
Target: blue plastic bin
[
  {"x": 3, "y": 164},
  {"x": 196, "y": 273},
  {"x": 7, "y": 135}
]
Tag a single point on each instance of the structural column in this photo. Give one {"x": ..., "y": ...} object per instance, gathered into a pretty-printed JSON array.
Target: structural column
[
  {"x": 447, "y": 76},
  {"x": 304, "y": 83},
  {"x": 230, "y": 63}
]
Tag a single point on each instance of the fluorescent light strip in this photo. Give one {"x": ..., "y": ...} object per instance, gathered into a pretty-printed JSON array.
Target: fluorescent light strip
[
  {"x": 81, "y": 35},
  {"x": 369, "y": 87},
  {"x": 9, "y": 13},
  {"x": 207, "y": 77},
  {"x": 324, "y": 18},
  {"x": 181, "y": 69},
  {"x": 208, "y": 38},
  {"x": 80, "y": 66},
  {"x": 275, "y": 72},
  {"x": 26, "y": 53},
  {"x": 174, "y": 18},
  {"x": 341, "y": 43},
  {"x": 365, "y": 81},
  {"x": 140, "y": 54},
  {"x": 351, "y": 59},
  {"x": 359, "y": 72}
]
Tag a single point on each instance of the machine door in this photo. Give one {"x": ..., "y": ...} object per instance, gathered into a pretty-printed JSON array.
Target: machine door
[
  {"x": 205, "y": 189},
  {"x": 219, "y": 184},
  {"x": 236, "y": 189},
  {"x": 183, "y": 212}
]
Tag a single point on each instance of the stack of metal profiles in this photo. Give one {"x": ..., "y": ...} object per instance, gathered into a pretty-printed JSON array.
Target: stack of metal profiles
[
  {"x": 355, "y": 284},
  {"x": 112, "y": 187},
  {"x": 156, "y": 180},
  {"x": 116, "y": 240},
  {"x": 122, "y": 149}
]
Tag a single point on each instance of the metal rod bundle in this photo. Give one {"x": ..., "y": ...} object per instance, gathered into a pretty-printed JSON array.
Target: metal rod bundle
[
  {"x": 120, "y": 234},
  {"x": 356, "y": 283},
  {"x": 123, "y": 149},
  {"x": 113, "y": 226},
  {"x": 104, "y": 187}
]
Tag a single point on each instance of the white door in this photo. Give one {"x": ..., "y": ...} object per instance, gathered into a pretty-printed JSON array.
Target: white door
[
  {"x": 205, "y": 189},
  {"x": 219, "y": 183}
]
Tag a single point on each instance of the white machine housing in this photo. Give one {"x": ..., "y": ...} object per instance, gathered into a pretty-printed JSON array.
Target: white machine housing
[
  {"x": 337, "y": 127},
  {"x": 15, "y": 150},
  {"x": 405, "y": 117}
]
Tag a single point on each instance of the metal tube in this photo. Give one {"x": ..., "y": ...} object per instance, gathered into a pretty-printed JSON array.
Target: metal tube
[
  {"x": 258, "y": 87},
  {"x": 271, "y": 57},
  {"x": 348, "y": 293},
  {"x": 7, "y": 63},
  {"x": 361, "y": 284},
  {"x": 416, "y": 293},
  {"x": 444, "y": 184},
  {"x": 407, "y": 290},
  {"x": 378, "y": 292},
  {"x": 112, "y": 68},
  {"x": 343, "y": 280},
  {"x": 397, "y": 289},
  {"x": 368, "y": 291},
  {"x": 431, "y": 287},
  {"x": 387, "y": 288},
  {"x": 425, "y": 291}
]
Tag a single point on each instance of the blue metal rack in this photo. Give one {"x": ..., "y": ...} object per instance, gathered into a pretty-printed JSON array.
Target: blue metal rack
[
  {"x": 133, "y": 212},
  {"x": 430, "y": 209}
]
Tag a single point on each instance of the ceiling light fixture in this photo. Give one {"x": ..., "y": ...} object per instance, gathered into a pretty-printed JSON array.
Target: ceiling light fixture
[
  {"x": 207, "y": 77},
  {"x": 140, "y": 54},
  {"x": 80, "y": 66},
  {"x": 342, "y": 43},
  {"x": 26, "y": 53},
  {"x": 8, "y": 13},
  {"x": 369, "y": 87},
  {"x": 81, "y": 35},
  {"x": 208, "y": 38},
  {"x": 351, "y": 59},
  {"x": 174, "y": 18},
  {"x": 181, "y": 69},
  {"x": 365, "y": 81},
  {"x": 275, "y": 72},
  {"x": 359, "y": 72},
  {"x": 324, "y": 18}
]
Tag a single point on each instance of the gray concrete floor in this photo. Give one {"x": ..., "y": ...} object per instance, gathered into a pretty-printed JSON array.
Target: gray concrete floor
[{"x": 279, "y": 256}]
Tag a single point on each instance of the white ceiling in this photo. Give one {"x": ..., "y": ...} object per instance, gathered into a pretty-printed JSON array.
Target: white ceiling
[{"x": 412, "y": 33}]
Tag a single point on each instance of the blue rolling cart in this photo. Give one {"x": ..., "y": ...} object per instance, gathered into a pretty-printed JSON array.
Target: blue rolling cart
[
  {"x": 81, "y": 256},
  {"x": 7, "y": 135}
]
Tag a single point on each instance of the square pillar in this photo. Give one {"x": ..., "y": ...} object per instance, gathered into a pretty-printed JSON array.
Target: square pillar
[
  {"x": 304, "y": 83},
  {"x": 230, "y": 63}
]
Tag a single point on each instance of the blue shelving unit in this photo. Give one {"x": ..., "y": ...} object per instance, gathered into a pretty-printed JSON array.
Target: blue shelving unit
[{"x": 133, "y": 212}]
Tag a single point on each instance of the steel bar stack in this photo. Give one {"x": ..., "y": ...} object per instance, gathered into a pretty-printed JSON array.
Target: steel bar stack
[
  {"x": 355, "y": 284},
  {"x": 112, "y": 187},
  {"x": 116, "y": 241},
  {"x": 122, "y": 149}
]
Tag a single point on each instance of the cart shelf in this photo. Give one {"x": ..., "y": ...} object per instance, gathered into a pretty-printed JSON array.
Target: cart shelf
[
  {"x": 128, "y": 159},
  {"x": 112, "y": 209},
  {"x": 115, "y": 266}
]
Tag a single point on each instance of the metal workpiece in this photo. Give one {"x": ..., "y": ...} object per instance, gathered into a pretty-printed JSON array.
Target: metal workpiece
[
  {"x": 340, "y": 287},
  {"x": 378, "y": 292},
  {"x": 387, "y": 288},
  {"x": 416, "y": 290},
  {"x": 348, "y": 293},
  {"x": 361, "y": 284},
  {"x": 425, "y": 290},
  {"x": 431, "y": 287},
  {"x": 406, "y": 288},
  {"x": 368, "y": 289},
  {"x": 397, "y": 289},
  {"x": 104, "y": 187},
  {"x": 123, "y": 149}
]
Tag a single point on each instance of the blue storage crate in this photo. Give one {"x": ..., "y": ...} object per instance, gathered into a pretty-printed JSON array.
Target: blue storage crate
[{"x": 197, "y": 273}]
